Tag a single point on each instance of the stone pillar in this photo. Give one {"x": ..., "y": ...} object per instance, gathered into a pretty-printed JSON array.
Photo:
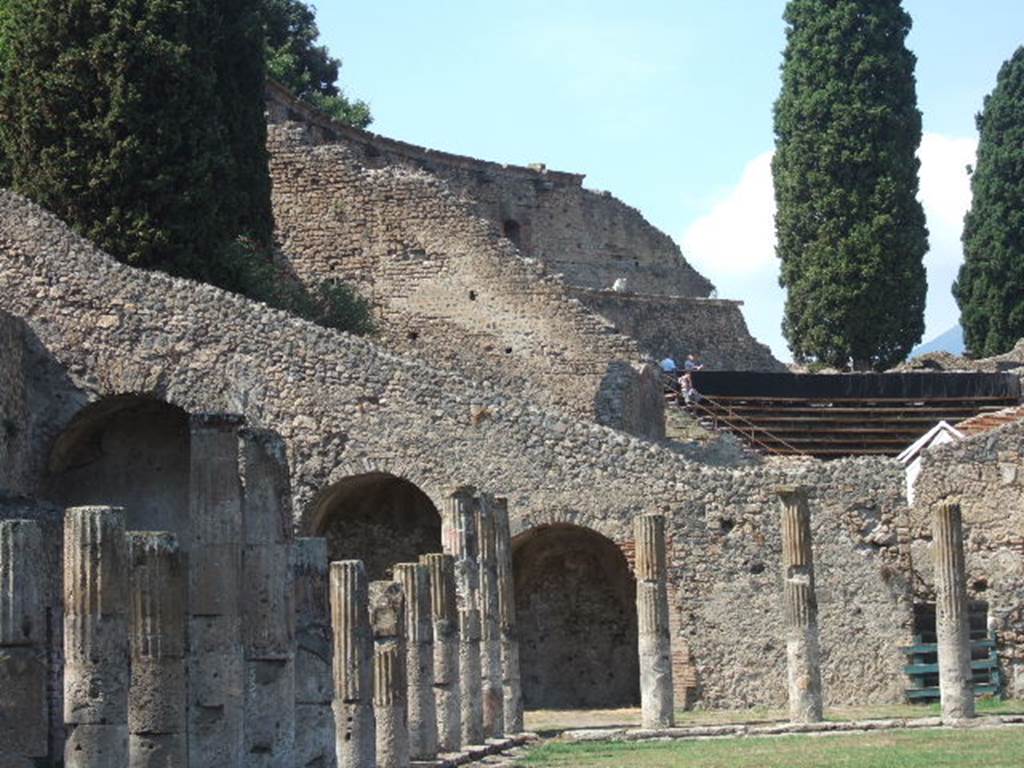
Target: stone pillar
[
  {"x": 419, "y": 660},
  {"x": 951, "y": 620},
  {"x": 445, "y": 617},
  {"x": 511, "y": 684},
  {"x": 314, "y": 684},
  {"x": 460, "y": 536},
  {"x": 157, "y": 717},
  {"x": 216, "y": 666},
  {"x": 655, "y": 643},
  {"x": 96, "y": 661},
  {"x": 490, "y": 621},
  {"x": 24, "y": 737},
  {"x": 267, "y": 602},
  {"x": 800, "y": 608},
  {"x": 353, "y": 665},
  {"x": 387, "y": 619}
]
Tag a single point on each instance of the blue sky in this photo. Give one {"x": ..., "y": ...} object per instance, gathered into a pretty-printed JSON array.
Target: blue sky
[{"x": 667, "y": 104}]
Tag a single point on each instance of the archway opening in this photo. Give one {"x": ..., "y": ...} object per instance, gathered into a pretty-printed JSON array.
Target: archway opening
[
  {"x": 576, "y": 618},
  {"x": 378, "y": 518},
  {"x": 513, "y": 231},
  {"x": 125, "y": 450}
]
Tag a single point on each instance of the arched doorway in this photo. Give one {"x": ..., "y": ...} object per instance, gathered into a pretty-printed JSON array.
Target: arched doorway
[
  {"x": 576, "y": 617},
  {"x": 378, "y": 518},
  {"x": 125, "y": 450}
]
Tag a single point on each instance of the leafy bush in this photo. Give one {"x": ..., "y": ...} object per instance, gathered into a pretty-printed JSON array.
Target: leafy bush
[{"x": 249, "y": 270}]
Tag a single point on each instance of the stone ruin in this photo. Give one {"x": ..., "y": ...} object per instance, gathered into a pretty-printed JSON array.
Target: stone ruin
[{"x": 234, "y": 643}]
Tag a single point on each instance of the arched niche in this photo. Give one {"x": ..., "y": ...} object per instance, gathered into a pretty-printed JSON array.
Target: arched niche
[
  {"x": 576, "y": 618},
  {"x": 125, "y": 450},
  {"x": 378, "y": 518}
]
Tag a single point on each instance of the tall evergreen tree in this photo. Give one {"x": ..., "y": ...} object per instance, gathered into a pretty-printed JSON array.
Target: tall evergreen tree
[
  {"x": 851, "y": 233},
  {"x": 134, "y": 122},
  {"x": 990, "y": 285},
  {"x": 296, "y": 60}
]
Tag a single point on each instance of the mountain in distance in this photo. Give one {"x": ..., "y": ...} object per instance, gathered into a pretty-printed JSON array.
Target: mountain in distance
[{"x": 951, "y": 341}]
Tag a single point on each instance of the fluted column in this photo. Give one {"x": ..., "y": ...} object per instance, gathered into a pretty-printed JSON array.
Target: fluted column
[
  {"x": 511, "y": 684},
  {"x": 24, "y": 736},
  {"x": 490, "y": 622},
  {"x": 157, "y": 719},
  {"x": 314, "y": 684},
  {"x": 655, "y": 642},
  {"x": 800, "y": 607},
  {"x": 267, "y": 601},
  {"x": 419, "y": 660},
  {"x": 353, "y": 665},
  {"x": 445, "y": 619},
  {"x": 460, "y": 536},
  {"x": 951, "y": 619},
  {"x": 216, "y": 664},
  {"x": 96, "y": 659},
  {"x": 387, "y": 619}
]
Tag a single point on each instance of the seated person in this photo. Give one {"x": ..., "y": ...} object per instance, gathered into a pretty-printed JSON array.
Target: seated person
[
  {"x": 693, "y": 363},
  {"x": 668, "y": 365}
]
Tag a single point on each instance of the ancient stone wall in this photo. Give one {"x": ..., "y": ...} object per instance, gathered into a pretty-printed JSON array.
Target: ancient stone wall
[
  {"x": 590, "y": 237},
  {"x": 446, "y": 284},
  {"x": 13, "y": 407},
  {"x": 346, "y": 407},
  {"x": 679, "y": 325},
  {"x": 986, "y": 475}
]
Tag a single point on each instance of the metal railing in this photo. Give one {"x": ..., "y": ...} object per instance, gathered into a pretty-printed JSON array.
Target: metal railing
[{"x": 748, "y": 432}]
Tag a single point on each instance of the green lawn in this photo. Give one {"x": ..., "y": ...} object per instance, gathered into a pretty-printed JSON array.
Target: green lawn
[{"x": 980, "y": 748}]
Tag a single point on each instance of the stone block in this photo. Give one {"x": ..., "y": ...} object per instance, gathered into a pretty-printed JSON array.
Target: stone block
[
  {"x": 96, "y": 746},
  {"x": 23, "y": 580},
  {"x": 23, "y": 703},
  {"x": 314, "y": 736},
  {"x": 269, "y": 713},
  {"x": 215, "y": 580},
  {"x": 313, "y": 683},
  {"x": 157, "y": 751},
  {"x": 96, "y": 691},
  {"x": 156, "y": 699},
  {"x": 268, "y": 602}
]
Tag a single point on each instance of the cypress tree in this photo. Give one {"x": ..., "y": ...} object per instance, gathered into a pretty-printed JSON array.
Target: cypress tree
[
  {"x": 990, "y": 285},
  {"x": 851, "y": 233},
  {"x": 133, "y": 122}
]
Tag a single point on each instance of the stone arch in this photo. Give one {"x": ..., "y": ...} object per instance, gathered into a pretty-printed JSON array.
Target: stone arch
[
  {"x": 125, "y": 450},
  {"x": 576, "y": 617},
  {"x": 376, "y": 517}
]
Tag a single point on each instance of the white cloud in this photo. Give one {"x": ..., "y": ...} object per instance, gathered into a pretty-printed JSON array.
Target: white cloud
[{"x": 734, "y": 243}]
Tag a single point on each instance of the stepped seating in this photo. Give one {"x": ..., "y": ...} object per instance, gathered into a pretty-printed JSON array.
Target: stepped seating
[{"x": 875, "y": 415}]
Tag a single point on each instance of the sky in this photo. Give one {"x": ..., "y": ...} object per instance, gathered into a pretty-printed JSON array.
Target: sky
[{"x": 665, "y": 103}]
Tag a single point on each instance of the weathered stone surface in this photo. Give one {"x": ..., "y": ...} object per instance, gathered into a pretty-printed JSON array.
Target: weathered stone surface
[
  {"x": 166, "y": 750},
  {"x": 951, "y": 626},
  {"x": 95, "y": 617},
  {"x": 24, "y": 716},
  {"x": 801, "y": 607},
  {"x": 353, "y": 665},
  {"x": 419, "y": 660},
  {"x": 655, "y": 645},
  {"x": 270, "y": 723},
  {"x": 390, "y": 703},
  {"x": 447, "y": 684},
  {"x": 22, "y": 584},
  {"x": 314, "y": 684},
  {"x": 510, "y": 671},
  {"x": 492, "y": 679},
  {"x": 96, "y": 746}
]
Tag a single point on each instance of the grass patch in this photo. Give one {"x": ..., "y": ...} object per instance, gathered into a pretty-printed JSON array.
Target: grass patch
[{"x": 982, "y": 748}]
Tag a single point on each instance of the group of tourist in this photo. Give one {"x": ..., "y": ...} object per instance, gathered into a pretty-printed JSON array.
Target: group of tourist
[{"x": 683, "y": 381}]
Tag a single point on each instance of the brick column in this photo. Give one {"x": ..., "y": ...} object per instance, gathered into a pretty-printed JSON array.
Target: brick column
[
  {"x": 511, "y": 684},
  {"x": 267, "y": 602},
  {"x": 157, "y": 709},
  {"x": 387, "y": 620},
  {"x": 951, "y": 619},
  {"x": 216, "y": 664},
  {"x": 353, "y": 665},
  {"x": 314, "y": 684},
  {"x": 445, "y": 617},
  {"x": 801, "y": 607},
  {"x": 96, "y": 660},
  {"x": 460, "y": 536},
  {"x": 655, "y": 643},
  {"x": 24, "y": 731},
  {"x": 419, "y": 660}
]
